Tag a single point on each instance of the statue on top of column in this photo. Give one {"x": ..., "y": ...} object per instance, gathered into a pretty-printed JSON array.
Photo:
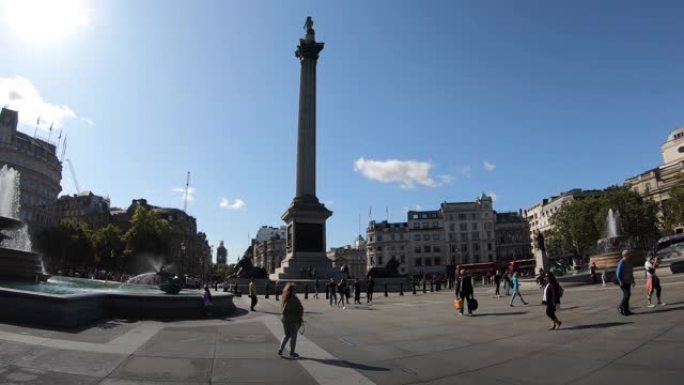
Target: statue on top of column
[{"x": 308, "y": 26}]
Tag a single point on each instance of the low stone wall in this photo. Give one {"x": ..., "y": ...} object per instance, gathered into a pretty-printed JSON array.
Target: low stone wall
[
  {"x": 394, "y": 285},
  {"x": 74, "y": 310}
]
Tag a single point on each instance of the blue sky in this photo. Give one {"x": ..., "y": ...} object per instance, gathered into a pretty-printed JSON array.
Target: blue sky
[{"x": 551, "y": 96}]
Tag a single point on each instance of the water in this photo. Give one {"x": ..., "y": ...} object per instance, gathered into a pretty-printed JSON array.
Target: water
[
  {"x": 68, "y": 285},
  {"x": 612, "y": 224},
  {"x": 9, "y": 207}
]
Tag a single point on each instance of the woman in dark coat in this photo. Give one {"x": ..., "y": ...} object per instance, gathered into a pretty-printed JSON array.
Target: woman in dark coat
[{"x": 552, "y": 295}]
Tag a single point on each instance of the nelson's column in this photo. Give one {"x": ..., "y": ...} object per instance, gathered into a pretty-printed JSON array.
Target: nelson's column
[{"x": 306, "y": 216}]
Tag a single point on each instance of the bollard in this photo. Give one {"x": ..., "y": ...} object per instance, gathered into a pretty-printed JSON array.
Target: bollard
[
  {"x": 432, "y": 286},
  {"x": 424, "y": 286},
  {"x": 267, "y": 289},
  {"x": 414, "y": 287},
  {"x": 439, "y": 285},
  {"x": 401, "y": 288},
  {"x": 386, "y": 290},
  {"x": 327, "y": 291},
  {"x": 277, "y": 293},
  {"x": 306, "y": 291}
]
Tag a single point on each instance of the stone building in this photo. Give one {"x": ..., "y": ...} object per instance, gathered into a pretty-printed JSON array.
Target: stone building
[
  {"x": 269, "y": 252},
  {"x": 221, "y": 254},
  {"x": 433, "y": 241},
  {"x": 512, "y": 234},
  {"x": 656, "y": 183},
  {"x": 86, "y": 206},
  {"x": 353, "y": 256},
  {"x": 40, "y": 171}
]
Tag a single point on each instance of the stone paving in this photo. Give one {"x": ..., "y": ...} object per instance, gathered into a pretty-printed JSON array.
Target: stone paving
[{"x": 397, "y": 340}]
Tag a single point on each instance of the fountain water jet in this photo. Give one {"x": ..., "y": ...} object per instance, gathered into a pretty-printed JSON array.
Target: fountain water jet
[{"x": 610, "y": 247}]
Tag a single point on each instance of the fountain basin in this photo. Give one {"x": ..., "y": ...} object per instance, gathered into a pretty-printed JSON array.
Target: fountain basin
[
  {"x": 21, "y": 265},
  {"x": 10, "y": 223},
  {"x": 609, "y": 260},
  {"x": 79, "y": 302}
]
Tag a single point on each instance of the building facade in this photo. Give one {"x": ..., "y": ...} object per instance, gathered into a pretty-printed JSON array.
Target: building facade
[
  {"x": 656, "y": 183},
  {"x": 86, "y": 206},
  {"x": 433, "y": 241},
  {"x": 40, "y": 171},
  {"x": 353, "y": 256},
  {"x": 512, "y": 234}
]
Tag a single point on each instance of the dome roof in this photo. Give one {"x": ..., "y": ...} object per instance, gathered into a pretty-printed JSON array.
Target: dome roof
[{"x": 676, "y": 134}]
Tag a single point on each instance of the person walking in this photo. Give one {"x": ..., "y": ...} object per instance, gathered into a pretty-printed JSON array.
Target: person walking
[
  {"x": 652, "y": 280},
  {"x": 369, "y": 290},
  {"x": 207, "y": 300},
  {"x": 515, "y": 283},
  {"x": 332, "y": 288},
  {"x": 357, "y": 292},
  {"x": 292, "y": 317},
  {"x": 507, "y": 283},
  {"x": 625, "y": 278},
  {"x": 552, "y": 296},
  {"x": 341, "y": 288},
  {"x": 465, "y": 291},
  {"x": 252, "y": 293},
  {"x": 497, "y": 283},
  {"x": 592, "y": 272},
  {"x": 315, "y": 287}
]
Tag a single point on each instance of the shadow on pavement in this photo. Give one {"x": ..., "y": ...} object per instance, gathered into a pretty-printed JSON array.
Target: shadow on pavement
[
  {"x": 346, "y": 364},
  {"x": 596, "y": 326},
  {"x": 498, "y": 314},
  {"x": 658, "y": 310}
]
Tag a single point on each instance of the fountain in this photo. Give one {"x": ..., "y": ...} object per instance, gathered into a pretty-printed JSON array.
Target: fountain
[
  {"x": 36, "y": 298},
  {"x": 17, "y": 261},
  {"x": 611, "y": 246}
]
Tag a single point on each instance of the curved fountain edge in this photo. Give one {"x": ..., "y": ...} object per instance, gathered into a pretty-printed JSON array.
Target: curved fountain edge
[{"x": 81, "y": 309}]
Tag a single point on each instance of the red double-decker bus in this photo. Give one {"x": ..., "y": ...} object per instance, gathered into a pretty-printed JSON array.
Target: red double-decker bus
[
  {"x": 477, "y": 269},
  {"x": 524, "y": 267}
]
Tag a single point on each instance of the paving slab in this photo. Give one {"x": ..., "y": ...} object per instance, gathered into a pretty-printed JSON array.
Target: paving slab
[
  {"x": 11, "y": 375},
  {"x": 174, "y": 369}
]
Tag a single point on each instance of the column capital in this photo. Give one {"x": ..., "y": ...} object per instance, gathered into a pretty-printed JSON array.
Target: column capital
[{"x": 308, "y": 49}]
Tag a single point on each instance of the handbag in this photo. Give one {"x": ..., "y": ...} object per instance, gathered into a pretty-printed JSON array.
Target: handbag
[
  {"x": 472, "y": 305},
  {"x": 458, "y": 304}
]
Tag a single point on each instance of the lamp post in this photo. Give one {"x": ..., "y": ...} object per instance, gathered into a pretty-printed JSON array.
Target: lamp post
[{"x": 182, "y": 248}]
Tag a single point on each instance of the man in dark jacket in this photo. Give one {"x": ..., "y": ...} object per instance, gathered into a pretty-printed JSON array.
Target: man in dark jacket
[
  {"x": 369, "y": 290},
  {"x": 357, "y": 292},
  {"x": 465, "y": 291}
]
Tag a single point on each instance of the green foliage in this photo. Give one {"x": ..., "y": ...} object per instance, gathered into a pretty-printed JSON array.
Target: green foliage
[
  {"x": 66, "y": 246},
  {"x": 673, "y": 208},
  {"x": 149, "y": 234},
  {"x": 578, "y": 225},
  {"x": 108, "y": 247},
  {"x": 220, "y": 272}
]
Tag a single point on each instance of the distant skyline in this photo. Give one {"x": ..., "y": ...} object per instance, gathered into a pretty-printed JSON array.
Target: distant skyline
[{"x": 418, "y": 103}]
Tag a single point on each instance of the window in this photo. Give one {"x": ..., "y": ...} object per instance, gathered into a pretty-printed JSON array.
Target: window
[
  {"x": 393, "y": 236},
  {"x": 379, "y": 259},
  {"x": 416, "y": 237},
  {"x": 401, "y": 248},
  {"x": 402, "y": 259},
  {"x": 452, "y": 227},
  {"x": 461, "y": 216},
  {"x": 414, "y": 216},
  {"x": 453, "y": 248},
  {"x": 476, "y": 258},
  {"x": 464, "y": 237},
  {"x": 488, "y": 225},
  {"x": 489, "y": 234},
  {"x": 476, "y": 235},
  {"x": 436, "y": 248},
  {"x": 463, "y": 227},
  {"x": 474, "y": 216},
  {"x": 451, "y": 217},
  {"x": 473, "y": 225},
  {"x": 464, "y": 248},
  {"x": 435, "y": 224},
  {"x": 416, "y": 225},
  {"x": 426, "y": 237},
  {"x": 489, "y": 247},
  {"x": 418, "y": 262},
  {"x": 476, "y": 247},
  {"x": 427, "y": 248},
  {"x": 379, "y": 238},
  {"x": 438, "y": 261},
  {"x": 648, "y": 187},
  {"x": 435, "y": 237},
  {"x": 426, "y": 225},
  {"x": 401, "y": 236},
  {"x": 417, "y": 249},
  {"x": 379, "y": 248},
  {"x": 428, "y": 261}
]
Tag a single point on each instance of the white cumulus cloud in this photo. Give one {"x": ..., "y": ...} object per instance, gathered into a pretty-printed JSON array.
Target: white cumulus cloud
[
  {"x": 18, "y": 93},
  {"x": 236, "y": 204},
  {"x": 407, "y": 173},
  {"x": 465, "y": 171},
  {"x": 489, "y": 166},
  {"x": 493, "y": 195},
  {"x": 181, "y": 191}
]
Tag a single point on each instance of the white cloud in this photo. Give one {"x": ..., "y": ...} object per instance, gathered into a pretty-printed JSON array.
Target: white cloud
[
  {"x": 18, "y": 93},
  {"x": 493, "y": 195},
  {"x": 465, "y": 171},
  {"x": 236, "y": 204},
  {"x": 489, "y": 166},
  {"x": 181, "y": 191},
  {"x": 407, "y": 173},
  {"x": 446, "y": 179},
  {"x": 88, "y": 121}
]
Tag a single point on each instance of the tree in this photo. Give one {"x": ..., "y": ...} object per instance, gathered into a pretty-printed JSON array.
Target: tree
[
  {"x": 108, "y": 247},
  {"x": 67, "y": 246},
  {"x": 148, "y": 234},
  {"x": 638, "y": 216},
  {"x": 673, "y": 208},
  {"x": 574, "y": 228}
]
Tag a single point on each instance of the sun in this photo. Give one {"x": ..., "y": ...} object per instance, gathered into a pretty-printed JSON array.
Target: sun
[{"x": 45, "y": 21}]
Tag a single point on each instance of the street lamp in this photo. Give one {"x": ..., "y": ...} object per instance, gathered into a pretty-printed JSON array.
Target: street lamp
[{"x": 182, "y": 248}]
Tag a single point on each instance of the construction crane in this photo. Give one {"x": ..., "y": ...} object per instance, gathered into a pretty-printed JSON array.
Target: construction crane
[
  {"x": 73, "y": 175},
  {"x": 187, "y": 187}
]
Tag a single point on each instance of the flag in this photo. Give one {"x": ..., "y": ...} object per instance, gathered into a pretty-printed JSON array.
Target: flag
[
  {"x": 60, "y": 135},
  {"x": 370, "y": 213},
  {"x": 51, "y": 124},
  {"x": 38, "y": 121}
]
